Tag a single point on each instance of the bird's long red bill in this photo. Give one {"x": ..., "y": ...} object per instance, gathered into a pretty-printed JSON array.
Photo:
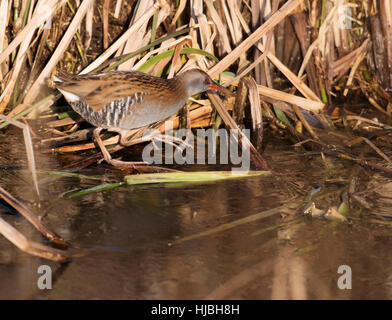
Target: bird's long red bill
[{"x": 217, "y": 87}]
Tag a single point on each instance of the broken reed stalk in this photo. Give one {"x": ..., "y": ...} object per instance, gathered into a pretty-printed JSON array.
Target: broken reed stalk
[
  {"x": 31, "y": 247},
  {"x": 33, "y": 219},
  {"x": 256, "y": 113},
  {"x": 307, "y": 104},
  {"x": 29, "y": 147},
  {"x": 255, "y": 157}
]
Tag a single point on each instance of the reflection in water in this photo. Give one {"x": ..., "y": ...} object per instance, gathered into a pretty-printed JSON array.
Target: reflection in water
[{"x": 127, "y": 230}]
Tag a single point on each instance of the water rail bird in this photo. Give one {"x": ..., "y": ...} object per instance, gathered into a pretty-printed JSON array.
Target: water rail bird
[{"x": 123, "y": 100}]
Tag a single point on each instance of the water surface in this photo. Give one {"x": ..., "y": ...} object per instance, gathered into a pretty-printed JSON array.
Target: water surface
[{"x": 127, "y": 232}]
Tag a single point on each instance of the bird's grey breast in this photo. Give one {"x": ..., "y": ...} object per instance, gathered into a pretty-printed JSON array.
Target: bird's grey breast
[{"x": 152, "y": 109}]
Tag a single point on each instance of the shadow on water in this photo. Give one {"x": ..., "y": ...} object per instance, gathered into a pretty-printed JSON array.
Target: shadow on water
[{"x": 127, "y": 231}]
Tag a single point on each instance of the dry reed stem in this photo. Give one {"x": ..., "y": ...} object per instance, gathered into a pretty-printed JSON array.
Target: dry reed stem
[
  {"x": 3, "y": 26},
  {"x": 362, "y": 119},
  {"x": 305, "y": 122},
  {"x": 31, "y": 247},
  {"x": 36, "y": 21},
  {"x": 43, "y": 105},
  {"x": 105, "y": 23},
  {"x": 254, "y": 100},
  {"x": 29, "y": 148},
  {"x": 252, "y": 65},
  {"x": 204, "y": 30},
  {"x": 377, "y": 106},
  {"x": 222, "y": 31},
  {"x": 255, "y": 108},
  {"x": 6, "y": 95},
  {"x": 278, "y": 16},
  {"x": 242, "y": 20},
  {"x": 255, "y": 158},
  {"x": 117, "y": 9},
  {"x": 375, "y": 148},
  {"x": 137, "y": 39},
  {"x": 341, "y": 65},
  {"x": 176, "y": 60},
  {"x": 240, "y": 102},
  {"x": 180, "y": 9},
  {"x": 232, "y": 21},
  {"x": 60, "y": 49},
  {"x": 7, "y": 89},
  {"x": 120, "y": 41},
  {"x": 63, "y": 122},
  {"x": 89, "y": 26},
  {"x": 40, "y": 105},
  {"x": 32, "y": 218},
  {"x": 320, "y": 41},
  {"x": 18, "y": 64},
  {"x": 304, "y": 103},
  {"x": 140, "y": 39},
  {"x": 297, "y": 82},
  {"x": 352, "y": 72}
]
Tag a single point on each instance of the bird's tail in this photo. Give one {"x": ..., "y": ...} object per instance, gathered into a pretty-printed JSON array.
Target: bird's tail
[{"x": 60, "y": 77}]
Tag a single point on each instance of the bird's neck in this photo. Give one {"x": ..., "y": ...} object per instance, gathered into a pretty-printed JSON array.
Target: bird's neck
[{"x": 179, "y": 87}]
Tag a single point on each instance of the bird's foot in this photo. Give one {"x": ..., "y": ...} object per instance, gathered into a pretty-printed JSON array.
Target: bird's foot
[
  {"x": 177, "y": 143},
  {"x": 108, "y": 158}
]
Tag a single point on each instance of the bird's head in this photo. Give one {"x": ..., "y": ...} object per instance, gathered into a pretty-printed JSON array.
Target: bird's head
[{"x": 197, "y": 81}]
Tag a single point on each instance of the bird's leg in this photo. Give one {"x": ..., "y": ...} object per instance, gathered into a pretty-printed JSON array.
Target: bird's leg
[
  {"x": 108, "y": 157},
  {"x": 105, "y": 152}
]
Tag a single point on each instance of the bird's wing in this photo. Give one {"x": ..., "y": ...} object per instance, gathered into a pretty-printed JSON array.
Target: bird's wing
[{"x": 99, "y": 90}]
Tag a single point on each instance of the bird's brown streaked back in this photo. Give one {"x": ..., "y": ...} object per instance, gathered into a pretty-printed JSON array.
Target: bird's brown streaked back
[{"x": 99, "y": 90}]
